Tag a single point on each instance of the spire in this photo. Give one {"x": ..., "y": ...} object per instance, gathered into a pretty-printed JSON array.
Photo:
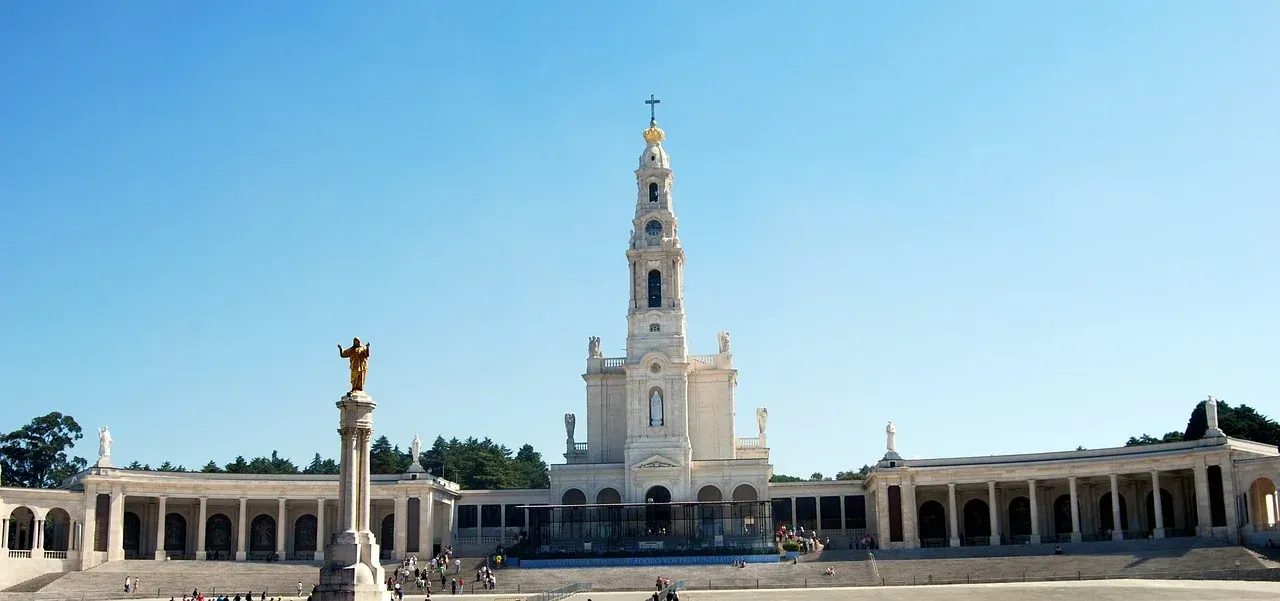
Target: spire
[{"x": 654, "y": 134}]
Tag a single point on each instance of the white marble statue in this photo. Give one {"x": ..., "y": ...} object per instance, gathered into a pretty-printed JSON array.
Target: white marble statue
[
  {"x": 1211, "y": 417},
  {"x": 762, "y": 418},
  {"x": 415, "y": 449},
  {"x": 724, "y": 341},
  {"x": 569, "y": 421},
  {"x": 593, "y": 348},
  {"x": 655, "y": 408},
  {"x": 104, "y": 444},
  {"x": 890, "y": 434}
]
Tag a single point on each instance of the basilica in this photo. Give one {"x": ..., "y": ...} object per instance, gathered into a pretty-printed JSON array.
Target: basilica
[{"x": 660, "y": 471}]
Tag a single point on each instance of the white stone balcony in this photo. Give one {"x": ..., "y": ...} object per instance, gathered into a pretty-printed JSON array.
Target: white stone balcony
[{"x": 751, "y": 448}]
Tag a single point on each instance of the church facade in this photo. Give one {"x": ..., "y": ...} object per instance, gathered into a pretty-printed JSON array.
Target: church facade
[{"x": 659, "y": 441}]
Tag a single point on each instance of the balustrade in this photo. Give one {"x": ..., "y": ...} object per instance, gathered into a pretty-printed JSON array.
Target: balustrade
[
  {"x": 749, "y": 443},
  {"x": 19, "y": 554}
]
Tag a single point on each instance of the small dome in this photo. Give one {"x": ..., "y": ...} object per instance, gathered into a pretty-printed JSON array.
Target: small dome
[{"x": 655, "y": 157}]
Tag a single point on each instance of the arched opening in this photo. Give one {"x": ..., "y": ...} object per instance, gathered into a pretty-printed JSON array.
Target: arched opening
[
  {"x": 262, "y": 534},
  {"x": 573, "y": 496},
  {"x": 657, "y": 515},
  {"x": 710, "y": 493},
  {"x": 1105, "y": 519},
  {"x": 608, "y": 496},
  {"x": 977, "y": 518},
  {"x": 933, "y": 521},
  {"x": 217, "y": 536},
  {"x": 304, "y": 534},
  {"x": 132, "y": 535},
  {"x": 709, "y": 516},
  {"x": 1062, "y": 515},
  {"x": 22, "y": 528},
  {"x": 57, "y": 530},
  {"x": 1166, "y": 509},
  {"x": 175, "y": 534},
  {"x": 1020, "y": 517},
  {"x": 653, "y": 191},
  {"x": 387, "y": 530},
  {"x": 655, "y": 288},
  {"x": 745, "y": 492},
  {"x": 1262, "y": 503}
]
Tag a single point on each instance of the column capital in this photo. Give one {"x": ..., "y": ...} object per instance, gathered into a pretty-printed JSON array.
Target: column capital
[
  {"x": 162, "y": 497},
  {"x": 204, "y": 499},
  {"x": 951, "y": 486},
  {"x": 1031, "y": 481},
  {"x": 1071, "y": 478}
]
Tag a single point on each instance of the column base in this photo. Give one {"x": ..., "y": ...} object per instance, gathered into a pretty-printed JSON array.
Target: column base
[
  {"x": 995, "y": 541},
  {"x": 1117, "y": 535},
  {"x": 319, "y": 556},
  {"x": 347, "y": 577},
  {"x": 1159, "y": 533},
  {"x": 241, "y": 556},
  {"x": 160, "y": 556},
  {"x": 1076, "y": 537},
  {"x": 955, "y": 542},
  {"x": 201, "y": 556},
  {"x": 1035, "y": 539}
]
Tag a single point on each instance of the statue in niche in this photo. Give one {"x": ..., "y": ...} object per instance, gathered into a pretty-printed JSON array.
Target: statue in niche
[
  {"x": 655, "y": 408},
  {"x": 415, "y": 449},
  {"x": 724, "y": 341},
  {"x": 762, "y": 418},
  {"x": 104, "y": 443},
  {"x": 890, "y": 434},
  {"x": 358, "y": 355},
  {"x": 593, "y": 348},
  {"x": 569, "y": 421}
]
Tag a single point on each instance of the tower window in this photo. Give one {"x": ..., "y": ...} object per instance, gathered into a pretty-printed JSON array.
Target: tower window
[
  {"x": 653, "y": 192},
  {"x": 653, "y": 327},
  {"x": 655, "y": 288}
]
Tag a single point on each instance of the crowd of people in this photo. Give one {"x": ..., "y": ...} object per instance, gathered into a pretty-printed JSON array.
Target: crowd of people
[{"x": 420, "y": 576}]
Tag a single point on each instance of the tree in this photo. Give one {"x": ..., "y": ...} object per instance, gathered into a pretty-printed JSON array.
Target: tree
[
  {"x": 817, "y": 477},
  {"x": 531, "y": 470},
  {"x": 169, "y": 467},
  {"x": 861, "y": 474},
  {"x": 35, "y": 456},
  {"x": 385, "y": 459},
  {"x": 784, "y": 478},
  {"x": 1146, "y": 439},
  {"x": 1241, "y": 421},
  {"x": 211, "y": 468},
  {"x": 321, "y": 466},
  {"x": 239, "y": 466}
]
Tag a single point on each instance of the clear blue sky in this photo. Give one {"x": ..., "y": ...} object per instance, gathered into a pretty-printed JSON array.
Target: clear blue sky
[{"x": 1007, "y": 226}]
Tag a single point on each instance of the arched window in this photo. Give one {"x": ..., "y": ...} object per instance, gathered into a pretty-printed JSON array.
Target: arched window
[
  {"x": 653, "y": 327},
  {"x": 655, "y": 288},
  {"x": 653, "y": 192}
]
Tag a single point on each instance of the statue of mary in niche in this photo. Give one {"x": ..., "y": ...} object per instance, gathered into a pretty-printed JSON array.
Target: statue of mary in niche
[{"x": 655, "y": 408}]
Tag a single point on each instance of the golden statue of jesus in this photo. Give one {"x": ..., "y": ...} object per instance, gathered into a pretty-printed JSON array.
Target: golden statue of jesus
[{"x": 358, "y": 354}]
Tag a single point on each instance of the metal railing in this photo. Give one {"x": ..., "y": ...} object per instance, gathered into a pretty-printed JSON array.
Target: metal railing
[{"x": 562, "y": 592}]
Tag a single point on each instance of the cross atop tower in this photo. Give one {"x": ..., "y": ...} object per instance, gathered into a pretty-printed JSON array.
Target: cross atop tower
[{"x": 653, "y": 104}]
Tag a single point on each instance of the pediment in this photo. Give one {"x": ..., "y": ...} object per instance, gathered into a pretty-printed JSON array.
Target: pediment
[{"x": 656, "y": 461}]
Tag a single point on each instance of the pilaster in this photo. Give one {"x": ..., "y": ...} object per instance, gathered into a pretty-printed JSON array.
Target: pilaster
[
  {"x": 241, "y": 527},
  {"x": 200, "y": 529},
  {"x": 993, "y": 508},
  {"x": 161, "y": 509}
]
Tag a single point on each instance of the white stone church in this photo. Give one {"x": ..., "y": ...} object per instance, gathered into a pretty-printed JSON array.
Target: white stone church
[{"x": 661, "y": 468}]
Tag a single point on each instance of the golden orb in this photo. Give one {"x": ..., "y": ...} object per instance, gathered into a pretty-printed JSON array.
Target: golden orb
[{"x": 654, "y": 134}]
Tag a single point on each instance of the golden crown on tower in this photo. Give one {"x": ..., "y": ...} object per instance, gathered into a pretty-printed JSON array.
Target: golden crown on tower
[{"x": 654, "y": 134}]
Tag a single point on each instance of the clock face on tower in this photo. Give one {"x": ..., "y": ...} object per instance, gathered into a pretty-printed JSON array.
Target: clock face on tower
[{"x": 653, "y": 228}]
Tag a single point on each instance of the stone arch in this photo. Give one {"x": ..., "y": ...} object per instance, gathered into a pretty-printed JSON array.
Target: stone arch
[
  {"x": 1105, "y": 521},
  {"x": 977, "y": 518},
  {"x": 175, "y": 533},
  {"x": 1262, "y": 502},
  {"x": 304, "y": 534},
  {"x": 608, "y": 496},
  {"x": 657, "y": 515},
  {"x": 745, "y": 492},
  {"x": 710, "y": 492},
  {"x": 573, "y": 496},
  {"x": 22, "y": 528},
  {"x": 1062, "y": 514},
  {"x": 217, "y": 536},
  {"x": 262, "y": 534},
  {"x": 933, "y": 521},
  {"x": 1020, "y": 516},
  {"x": 57, "y": 530},
  {"x": 1166, "y": 509},
  {"x": 387, "y": 531},
  {"x": 132, "y": 535},
  {"x": 653, "y": 192}
]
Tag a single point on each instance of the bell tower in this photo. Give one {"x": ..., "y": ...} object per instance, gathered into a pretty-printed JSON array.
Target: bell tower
[{"x": 658, "y": 452}]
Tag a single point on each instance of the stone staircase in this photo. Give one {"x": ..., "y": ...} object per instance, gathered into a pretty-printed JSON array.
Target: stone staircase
[
  {"x": 166, "y": 579},
  {"x": 35, "y": 584}
]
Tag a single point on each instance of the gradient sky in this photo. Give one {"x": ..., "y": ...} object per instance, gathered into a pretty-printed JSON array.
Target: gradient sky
[{"x": 1007, "y": 226}]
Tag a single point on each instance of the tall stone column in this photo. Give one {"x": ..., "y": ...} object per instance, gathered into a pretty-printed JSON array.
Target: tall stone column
[
  {"x": 795, "y": 520},
  {"x": 4, "y": 534},
  {"x": 352, "y": 571},
  {"x": 115, "y": 525},
  {"x": 161, "y": 510},
  {"x": 200, "y": 527},
  {"x": 1204, "y": 518},
  {"x": 993, "y": 508},
  {"x": 89, "y": 536},
  {"x": 910, "y": 536},
  {"x": 1075, "y": 511},
  {"x": 1117, "y": 526},
  {"x": 320, "y": 536},
  {"x": 1156, "y": 503},
  {"x": 1230, "y": 502},
  {"x": 952, "y": 519},
  {"x": 37, "y": 541},
  {"x": 401, "y": 546},
  {"x": 1035, "y": 513},
  {"x": 449, "y": 517},
  {"x": 817, "y": 513},
  {"x": 426, "y": 513},
  {"x": 479, "y": 521},
  {"x": 281, "y": 551},
  {"x": 843, "y": 518},
  {"x": 241, "y": 527}
]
